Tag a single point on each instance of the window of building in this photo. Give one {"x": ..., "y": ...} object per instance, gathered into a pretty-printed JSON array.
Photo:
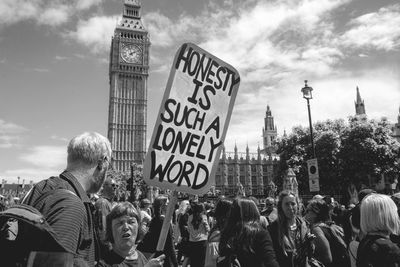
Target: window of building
[
  {"x": 265, "y": 180},
  {"x": 230, "y": 180},
  {"x": 253, "y": 168},
  {"x": 242, "y": 179},
  {"x": 253, "y": 180},
  {"x": 218, "y": 179},
  {"x": 265, "y": 169}
]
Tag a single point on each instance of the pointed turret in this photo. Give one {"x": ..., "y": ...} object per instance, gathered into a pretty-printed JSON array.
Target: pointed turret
[
  {"x": 359, "y": 104},
  {"x": 236, "y": 152}
]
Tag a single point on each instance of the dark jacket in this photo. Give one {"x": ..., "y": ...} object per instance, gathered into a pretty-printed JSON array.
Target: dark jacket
[
  {"x": 150, "y": 240},
  {"x": 264, "y": 254},
  {"x": 284, "y": 258},
  {"x": 376, "y": 250}
]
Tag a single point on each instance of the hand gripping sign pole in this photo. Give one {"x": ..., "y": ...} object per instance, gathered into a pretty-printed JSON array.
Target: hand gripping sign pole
[
  {"x": 191, "y": 124},
  {"x": 166, "y": 222}
]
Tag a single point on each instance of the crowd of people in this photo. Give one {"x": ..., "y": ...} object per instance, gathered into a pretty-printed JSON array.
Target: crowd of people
[{"x": 227, "y": 232}]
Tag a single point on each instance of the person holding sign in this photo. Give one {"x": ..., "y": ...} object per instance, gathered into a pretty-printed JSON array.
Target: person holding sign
[
  {"x": 149, "y": 243},
  {"x": 122, "y": 229}
]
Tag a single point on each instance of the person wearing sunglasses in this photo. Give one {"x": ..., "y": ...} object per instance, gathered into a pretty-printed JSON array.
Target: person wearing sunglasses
[{"x": 104, "y": 205}]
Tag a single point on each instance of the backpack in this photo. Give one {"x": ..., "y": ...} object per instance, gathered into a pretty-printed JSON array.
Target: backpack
[
  {"x": 26, "y": 239},
  {"x": 339, "y": 251},
  {"x": 375, "y": 250}
]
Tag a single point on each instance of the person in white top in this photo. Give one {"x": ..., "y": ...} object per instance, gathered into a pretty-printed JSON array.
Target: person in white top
[{"x": 198, "y": 232}]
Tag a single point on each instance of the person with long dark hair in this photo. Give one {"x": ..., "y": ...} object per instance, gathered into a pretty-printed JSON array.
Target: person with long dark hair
[
  {"x": 149, "y": 243},
  {"x": 244, "y": 236},
  {"x": 221, "y": 213},
  {"x": 198, "y": 232},
  {"x": 290, "y": 232}
]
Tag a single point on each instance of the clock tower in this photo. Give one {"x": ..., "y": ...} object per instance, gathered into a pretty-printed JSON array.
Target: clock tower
[{"x": 128, "y": 73}]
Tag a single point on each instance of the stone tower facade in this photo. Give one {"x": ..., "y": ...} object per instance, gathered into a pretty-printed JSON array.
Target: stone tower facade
[
  {"x": 269, "y": 133},
  {"x": 359, "y": 105},
  {"x": 128, "y": 73}
]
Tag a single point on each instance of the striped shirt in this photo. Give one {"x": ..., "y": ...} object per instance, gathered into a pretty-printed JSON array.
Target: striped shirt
[{"x": 69, "y": 214}]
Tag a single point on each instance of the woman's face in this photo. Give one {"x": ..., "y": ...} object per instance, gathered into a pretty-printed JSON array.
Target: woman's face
[
  {"x": 289, "y": 206},
  {"x": 124, "y": 230},
  {"x": 164, "y": 207}
]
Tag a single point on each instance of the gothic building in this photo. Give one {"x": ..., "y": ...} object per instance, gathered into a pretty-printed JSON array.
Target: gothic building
[
  {"x": 254, "y": 172},
  {"x": 128, "y": 73},
  {"x": 251, "y": 172}
]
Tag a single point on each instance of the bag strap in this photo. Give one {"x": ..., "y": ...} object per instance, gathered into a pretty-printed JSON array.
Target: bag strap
[{"x": 51, "y": 192}]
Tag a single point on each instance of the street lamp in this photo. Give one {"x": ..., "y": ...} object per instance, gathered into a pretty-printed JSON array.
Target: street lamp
[
  {"x": 18, "y": 186},
  {"x": 307, "y": 94}
]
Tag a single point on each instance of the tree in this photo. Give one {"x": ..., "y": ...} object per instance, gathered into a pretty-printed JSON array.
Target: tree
[
  {"x": 357, "y": 152},
  {"x": 368, "y": 151},
  {"x": 139, "y": 186}
]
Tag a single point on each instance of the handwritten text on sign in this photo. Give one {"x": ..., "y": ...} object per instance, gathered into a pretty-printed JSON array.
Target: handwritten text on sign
[{"x": 192, "y": 122}]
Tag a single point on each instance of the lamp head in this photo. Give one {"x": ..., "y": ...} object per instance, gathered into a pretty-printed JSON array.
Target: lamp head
[{"x": 307, "y": 91}]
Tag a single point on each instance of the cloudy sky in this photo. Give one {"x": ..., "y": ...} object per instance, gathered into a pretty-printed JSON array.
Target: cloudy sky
[{"x": 54, "y": 66}]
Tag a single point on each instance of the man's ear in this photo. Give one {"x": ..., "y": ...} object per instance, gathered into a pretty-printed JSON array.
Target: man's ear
[{"x": 99, "y": 165}]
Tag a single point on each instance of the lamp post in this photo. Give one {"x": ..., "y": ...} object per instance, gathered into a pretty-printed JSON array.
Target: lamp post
[
  {"x": 307, "y": 94},
  {"x": 18, "y": 186}
]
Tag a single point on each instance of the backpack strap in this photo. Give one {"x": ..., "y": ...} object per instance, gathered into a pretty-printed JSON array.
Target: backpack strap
[{"x": 51, "y": 192}]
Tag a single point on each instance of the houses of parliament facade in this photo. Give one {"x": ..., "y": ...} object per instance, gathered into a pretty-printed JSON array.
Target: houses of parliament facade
[{"x": 251, "y": 172}]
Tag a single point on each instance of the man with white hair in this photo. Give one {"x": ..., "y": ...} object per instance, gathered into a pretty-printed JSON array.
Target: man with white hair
[{"x": 64, "y": 200}]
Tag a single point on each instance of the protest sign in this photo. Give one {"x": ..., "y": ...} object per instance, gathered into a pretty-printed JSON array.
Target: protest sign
[{"x": 192, "y": 122}]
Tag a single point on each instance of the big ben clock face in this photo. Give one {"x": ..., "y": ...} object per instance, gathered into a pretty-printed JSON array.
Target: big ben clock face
[{"x": 131, "y": 53}]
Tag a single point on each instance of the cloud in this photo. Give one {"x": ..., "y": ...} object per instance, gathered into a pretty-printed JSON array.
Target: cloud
[
  {"x": 43, "y": 12},
  {"x": 46, "y": 156},
  {"x": 11, "y": 134},
  {"x": 59, "y": 138},
  {"x": 60, "y": 58},
  {"x": 41, "y": 70},
  {"x": 95, "y": 33},
  {"x": 378, "y": 30},
  {"x": 267, "y": 36},
  {"x": 12, "y": 11},
  {"x": 54, "y": 16},
  {"x": 86, "y": 4}
]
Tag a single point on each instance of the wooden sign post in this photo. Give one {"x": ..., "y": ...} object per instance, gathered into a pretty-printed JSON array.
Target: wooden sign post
[{"x": 191, "y": 125}]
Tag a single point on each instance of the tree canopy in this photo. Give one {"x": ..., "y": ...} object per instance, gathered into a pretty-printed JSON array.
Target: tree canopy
[{"x": 357, "y": 151}]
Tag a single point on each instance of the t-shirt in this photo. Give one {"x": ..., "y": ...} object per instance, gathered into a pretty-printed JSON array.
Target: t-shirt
[
  {"x": 139, "y": 262},
  {"x": 201, "y": 233}
]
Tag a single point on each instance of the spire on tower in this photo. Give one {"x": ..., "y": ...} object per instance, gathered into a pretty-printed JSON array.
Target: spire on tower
[{"x": 359, "y": 104}]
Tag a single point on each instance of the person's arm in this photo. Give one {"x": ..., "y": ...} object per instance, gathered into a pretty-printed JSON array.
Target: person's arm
[
  {"x": 322, "y": 248},
  {"x": 170, "y": 248},
  {"x": 264, "y": 249},
  {"x": 205, "y": 223}
]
